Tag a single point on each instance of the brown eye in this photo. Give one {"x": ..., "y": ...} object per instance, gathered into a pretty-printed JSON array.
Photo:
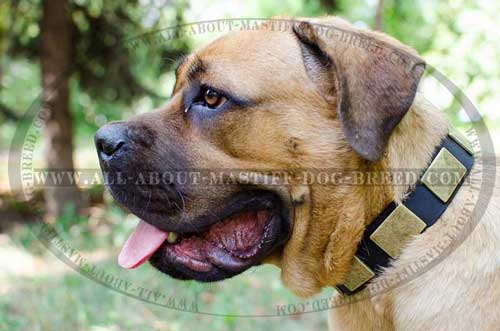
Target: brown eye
[{"x": 212, "y": 98}]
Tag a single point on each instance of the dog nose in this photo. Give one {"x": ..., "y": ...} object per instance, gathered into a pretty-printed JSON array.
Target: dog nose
[{"x": 109, "y": 139}]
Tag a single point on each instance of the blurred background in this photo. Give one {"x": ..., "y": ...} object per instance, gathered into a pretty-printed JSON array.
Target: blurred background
[{"x": 76, "y": 48}]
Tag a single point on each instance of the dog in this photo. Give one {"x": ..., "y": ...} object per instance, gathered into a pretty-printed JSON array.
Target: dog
[{"x": 304, "y": 94}]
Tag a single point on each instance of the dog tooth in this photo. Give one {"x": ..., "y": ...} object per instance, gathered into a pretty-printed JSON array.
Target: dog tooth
[{"x": 172, "y": 237}]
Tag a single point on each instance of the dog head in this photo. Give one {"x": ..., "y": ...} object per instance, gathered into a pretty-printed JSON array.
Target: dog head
[{"x": 270, "y": 102}]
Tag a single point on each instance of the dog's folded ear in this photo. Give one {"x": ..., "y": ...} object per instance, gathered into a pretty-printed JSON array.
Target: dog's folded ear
[{"x": 371, "y": 81}]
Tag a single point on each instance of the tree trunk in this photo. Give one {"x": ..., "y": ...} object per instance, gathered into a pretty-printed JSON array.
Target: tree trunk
[
  {"x": 58, "y": 132},
  {"x": 329, "y": 6},
  {"x": 378, "y": 19}
]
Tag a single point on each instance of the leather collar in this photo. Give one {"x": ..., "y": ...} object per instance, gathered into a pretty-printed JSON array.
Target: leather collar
[{"x": 386, "y": 236}]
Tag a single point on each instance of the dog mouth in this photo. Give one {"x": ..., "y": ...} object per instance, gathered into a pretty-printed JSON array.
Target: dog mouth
[{"x": 225, "y": 248}]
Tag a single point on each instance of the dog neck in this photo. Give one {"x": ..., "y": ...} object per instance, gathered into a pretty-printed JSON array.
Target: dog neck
[
  {"x": 422, "y": 146},
  {"x": 307, "y": 268},
  {"x": 413, "y": 142},
  {"x": 411, "y": 146}
]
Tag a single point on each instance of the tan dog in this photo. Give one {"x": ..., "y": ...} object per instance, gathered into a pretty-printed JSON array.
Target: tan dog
[{"x": 294, "y": 99}]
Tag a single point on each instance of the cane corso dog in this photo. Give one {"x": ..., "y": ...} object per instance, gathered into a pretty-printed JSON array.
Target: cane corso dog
[{"x": 253, "y": 111}]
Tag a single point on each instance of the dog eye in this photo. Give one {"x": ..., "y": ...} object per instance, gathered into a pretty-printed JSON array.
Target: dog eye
[{"x": 212, "y": 98}]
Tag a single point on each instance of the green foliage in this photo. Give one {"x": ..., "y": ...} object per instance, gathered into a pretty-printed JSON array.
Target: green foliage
[
  {"x": 19, "y": 27},
  {"x": 111, "y": 81},
  {"x": 400, "y": 19},
  {"x": 106, "y": 76}
]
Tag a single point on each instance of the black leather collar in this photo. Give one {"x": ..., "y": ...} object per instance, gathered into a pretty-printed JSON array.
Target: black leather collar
[{"x": 421, "y": 209}]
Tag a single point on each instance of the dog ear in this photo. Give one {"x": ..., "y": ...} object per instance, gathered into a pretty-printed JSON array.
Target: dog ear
[{"x": 372, "y": 83}]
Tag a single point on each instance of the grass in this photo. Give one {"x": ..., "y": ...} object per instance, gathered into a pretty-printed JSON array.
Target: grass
[
  {"x": 71, "y": 302},
  {"x": 53, "y": 296}
]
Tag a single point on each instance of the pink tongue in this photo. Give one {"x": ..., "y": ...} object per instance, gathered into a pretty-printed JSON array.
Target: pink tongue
[{"x": 139, "y": 247}]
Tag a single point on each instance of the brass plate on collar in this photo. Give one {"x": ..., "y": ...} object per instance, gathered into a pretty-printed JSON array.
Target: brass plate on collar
[
  {"x": 461, "y": 139},
  {"x": 396, "y": 229},
  {"x": 444, "y": 174},
  {"x": 360, "y": 273}
]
